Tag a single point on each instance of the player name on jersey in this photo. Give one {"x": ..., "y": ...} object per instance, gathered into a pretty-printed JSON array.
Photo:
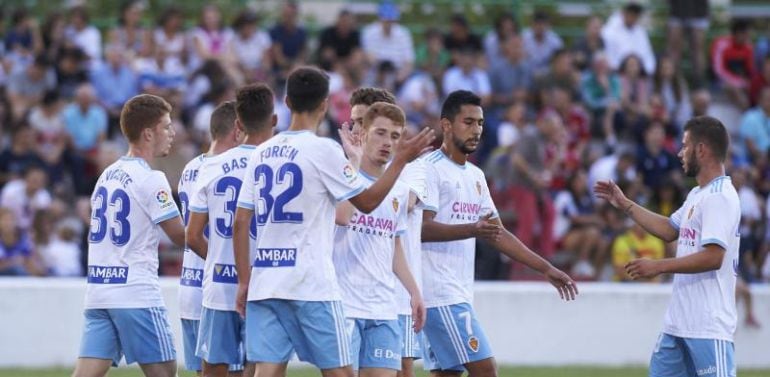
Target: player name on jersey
[{"x": 107, "y": 274}]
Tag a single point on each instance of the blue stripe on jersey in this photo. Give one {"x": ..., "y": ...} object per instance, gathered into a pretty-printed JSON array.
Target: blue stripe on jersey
[
  {"x": 198, "y": 209},
  {"x": 167, "y": 216},
  {"x": 351, "y": 194},
  {"x": 275, "y": 257},
  {"x": 673, "y": 223},
  {"x": 191, "y": 277},
  {"x": 225, "y": 273},
  {"x": 713, "y": 241},
  {"x": 246, "y": 205},
  {"x": 430, "y": 208}
]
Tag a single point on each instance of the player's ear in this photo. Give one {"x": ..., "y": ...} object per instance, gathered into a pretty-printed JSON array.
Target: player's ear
[
  {"x": 446, "y": 125},
  {"x": 273, "y": 120}
]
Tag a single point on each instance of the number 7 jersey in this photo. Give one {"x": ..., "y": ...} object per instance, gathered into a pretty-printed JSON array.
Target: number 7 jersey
[
  {"x": 293, "y": 182},
  {"x": 128, "y": 203}
]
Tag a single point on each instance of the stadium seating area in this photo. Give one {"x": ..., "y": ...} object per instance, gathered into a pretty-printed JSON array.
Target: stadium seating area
[{"x": 571, "y": 96}]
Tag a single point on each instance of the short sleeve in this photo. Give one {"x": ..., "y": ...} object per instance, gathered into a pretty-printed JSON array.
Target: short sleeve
[
  {"x": 246, "y": 195},
  {"x": 717, "y": 224},
  {"x": 432, "y": 191},
  {"x": 160, "y": 203},
  {"x": 676, "y": 218},
  {"x": 403, "y": 209},
  {"x": 199, "y": 195},
  {"x": 487, "y": 205},
  {"x": 338, "y": 175},
  {"x": 414, "y": 177}
]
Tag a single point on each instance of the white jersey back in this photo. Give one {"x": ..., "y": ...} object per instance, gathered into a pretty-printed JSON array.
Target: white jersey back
[
  {"x": 459, "y": 195},
  {"x": 293, "y": 183},
  {"x": 413, "y": 176},
  {"x": 216, "y": 195},
  {"x": 363, "y": 256},
  {"x": 128, "y": 203},
  {"x": 703, "y": 305},
  {"x": 191, "y": 280}
]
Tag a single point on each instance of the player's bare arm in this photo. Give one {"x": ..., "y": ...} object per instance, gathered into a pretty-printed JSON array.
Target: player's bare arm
[
  {"x": 433, "y": 231},
  {"x": 708, "y": 259},
  {"x": 406, "y": 151},
  {"x": 174, "y": 229},
  {"x": 652, "y": 222},
  {"x": 404, "y": 275},
  {"x": 241, "y": 226},
  {"x": 511, "y": 246},
  {"x": 196, "y": 223}
]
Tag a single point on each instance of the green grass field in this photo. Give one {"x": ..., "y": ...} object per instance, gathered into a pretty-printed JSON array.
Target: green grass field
[{"x": 504, "y": 372}]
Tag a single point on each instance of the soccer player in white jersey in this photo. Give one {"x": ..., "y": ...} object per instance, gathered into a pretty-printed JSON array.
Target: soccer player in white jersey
[
  {"x": 293, "y": 182},
  {"x": 697, "y": 337},
  {"x": 458, "y": 209},
  {"x": 124, "y": 311},
  {"x": 224, "y": 135},
  {"x": 222, "y": 330},
  {"x": 413, "y": 176},
  {"x": 368, "y": 252}
]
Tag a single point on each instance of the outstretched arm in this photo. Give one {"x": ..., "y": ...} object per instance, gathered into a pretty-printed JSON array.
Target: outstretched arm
[
  {"x": 708, "y": 259},
  {"x": 657, "y": 225},
  {"x": 511, "y": 246}
]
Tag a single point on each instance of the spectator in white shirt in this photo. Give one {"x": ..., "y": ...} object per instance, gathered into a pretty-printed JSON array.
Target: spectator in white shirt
[
  {"x": 624, "y": 36},
  {"x": 251, "y": 46},
  {"x": 26, "y": 195},
  {"x": 83, "y": 35},
  {"x": 466, "y": 75},
  {"x": 386, "y": 40},
  {"x": 540, "y": 42}
]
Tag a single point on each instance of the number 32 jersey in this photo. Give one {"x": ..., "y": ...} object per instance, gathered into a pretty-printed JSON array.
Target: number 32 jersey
[
  {"x": 293, "y": 182},
  {"x": 128, "y": 203}
]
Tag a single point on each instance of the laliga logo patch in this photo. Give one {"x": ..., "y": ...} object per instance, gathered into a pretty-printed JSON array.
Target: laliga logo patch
[
  {"x": 473, "y": 343},
  {"x": 348, "y": 172},
  {"x": 162, "y": 197},
  {"x": 395, "y": 205}
]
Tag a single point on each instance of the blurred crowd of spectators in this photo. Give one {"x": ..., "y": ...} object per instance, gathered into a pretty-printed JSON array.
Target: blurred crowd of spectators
[{"x": 559, "y": 116}]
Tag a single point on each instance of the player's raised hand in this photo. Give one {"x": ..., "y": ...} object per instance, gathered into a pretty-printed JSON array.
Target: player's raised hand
[
  {"x": 487, "y": 230},
  {"x": 240, "y": 299},
  {"x": 408, "y": 150},
  {"x": 351, "y": 143},
  {"x": 419, "y": 312},
  {"x": 609, "y": 191},
  {"x": 564, "y": 284},
  {"x": 642, "y": 268}
]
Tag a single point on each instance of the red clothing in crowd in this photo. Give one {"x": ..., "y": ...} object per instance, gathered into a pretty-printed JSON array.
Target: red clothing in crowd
[{"x": 733, "y": 63}]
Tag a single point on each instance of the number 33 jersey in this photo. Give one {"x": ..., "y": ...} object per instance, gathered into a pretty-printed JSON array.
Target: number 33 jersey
[
  {"x": 128, "y": 203},
  {"x": 293, "y": 182}
]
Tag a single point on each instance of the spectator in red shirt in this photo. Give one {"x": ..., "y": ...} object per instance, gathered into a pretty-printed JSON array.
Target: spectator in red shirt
[
  {"x": 760, "y": 81},
  {"x": 732, "y": 58}
]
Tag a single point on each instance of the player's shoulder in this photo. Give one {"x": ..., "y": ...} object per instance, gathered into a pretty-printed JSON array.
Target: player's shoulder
[{"x": 195, "y": 163}]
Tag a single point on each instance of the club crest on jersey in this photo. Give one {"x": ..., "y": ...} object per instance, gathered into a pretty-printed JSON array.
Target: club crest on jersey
[
  {"x": 478, "y": 187},
  {"x": 395, "y": 205},
  {"x": 164, "y": 199},
  {"x": 473, "y": 343}
]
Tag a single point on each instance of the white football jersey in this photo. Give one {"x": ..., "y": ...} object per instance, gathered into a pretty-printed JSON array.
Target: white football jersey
[
  {"x": 363, "y": 256},
  {"x": 128, "y": 203},
  {"x": 459, "y": 195},
  {"x": 413, "y": 176},
  {"x": 293, "y": 183},
  {"x": 191, "y": 280},
  {"x": 216, "y": 194},
  {"x": 703, "y": 305}
]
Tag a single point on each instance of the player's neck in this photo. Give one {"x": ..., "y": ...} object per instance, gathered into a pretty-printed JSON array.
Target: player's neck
[
  {"x": 216, "y": 148},
  {"x": 708, "y": 173},
  {"x": 139, "y": 151},
  {"x": 304, "y": 122},
  {"x": 258, "y": 137},
  {"x": 454, "y": 154},
  {"x": 371, "y": 168}
]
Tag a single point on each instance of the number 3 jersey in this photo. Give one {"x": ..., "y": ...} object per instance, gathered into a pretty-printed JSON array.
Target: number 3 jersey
[
  {"x": 293, "y": 182},
  {"x": 216, "y": 194},
  {"x": 128, "y": 203}
]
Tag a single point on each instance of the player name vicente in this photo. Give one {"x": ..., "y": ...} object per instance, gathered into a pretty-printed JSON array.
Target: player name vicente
[{"x": 118, "y": 175}]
